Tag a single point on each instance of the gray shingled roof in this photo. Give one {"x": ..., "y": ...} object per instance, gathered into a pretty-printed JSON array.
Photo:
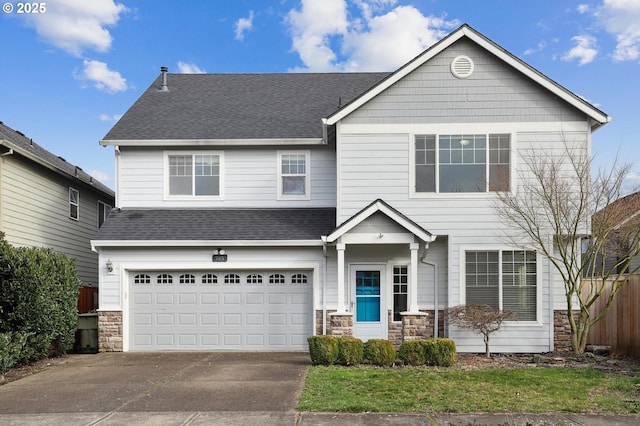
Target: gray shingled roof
[
  {"x": 218, "y": 224},
  {"x": 240, "y": 106},
  {"x": 25, "y": 146}
]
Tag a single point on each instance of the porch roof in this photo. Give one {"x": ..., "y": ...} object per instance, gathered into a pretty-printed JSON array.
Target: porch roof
[{"x": 380, "y": 205}]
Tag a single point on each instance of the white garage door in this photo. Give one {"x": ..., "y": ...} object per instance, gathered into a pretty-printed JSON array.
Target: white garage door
[{"x": 238, "y": 310}]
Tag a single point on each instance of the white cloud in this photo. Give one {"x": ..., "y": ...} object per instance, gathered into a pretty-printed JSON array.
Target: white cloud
[
  {"x": 622, "y": 19},
  {"x": 189, "y": 68},
  {"x": 582, "y": 8},
  {"x": 536, "y": 49},
  {"x": 100, "y": 175},
  {"x": 109, "y": 118},
  {"x": 585, "y": 50},
  {"x": 243, "y": 25},
  {"x": 102, "y": 77},
  {"x": 391, "y": 39},
  {"x": 75, "y": 26},
  {"x": 329, "y": 37},
  {"x": 311, "y": 27}
]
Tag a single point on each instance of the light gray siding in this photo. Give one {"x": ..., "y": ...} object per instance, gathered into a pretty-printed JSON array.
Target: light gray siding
[
  {"x": 34, "y": 211},
  {"x": 493, "y": 93},
  {"x": 250, "y": 179}
]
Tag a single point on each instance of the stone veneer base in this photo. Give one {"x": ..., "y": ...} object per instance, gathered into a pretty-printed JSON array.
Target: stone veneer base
[{"x": 109, "y": 331}]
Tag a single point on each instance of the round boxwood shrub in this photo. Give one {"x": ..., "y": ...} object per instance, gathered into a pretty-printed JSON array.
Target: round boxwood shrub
[
  {"x": 323, "y": 350},
  {"x": 380, "y": 352},
  {"x": 439, "y": 352},
  {"x": 350, "y": 350},
  {"x": 412, "y": 352}
]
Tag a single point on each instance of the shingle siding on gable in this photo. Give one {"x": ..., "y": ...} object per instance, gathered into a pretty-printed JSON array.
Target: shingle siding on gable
[{"x": 493, "y": 93}]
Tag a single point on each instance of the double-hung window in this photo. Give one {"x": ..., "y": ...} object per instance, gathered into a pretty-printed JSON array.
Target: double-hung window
[
  {"x": 194, "y": 174},
  {"x": 103, "y": 212},
  {"x": 74, "y": 203},
  {"x": 462, "y": 163},
  {"x": 503, "y": 279},
  {"x": 293, "y": 175}
]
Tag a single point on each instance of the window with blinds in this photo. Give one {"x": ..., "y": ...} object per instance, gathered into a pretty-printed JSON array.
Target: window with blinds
[{"x": 503, "y": 279}]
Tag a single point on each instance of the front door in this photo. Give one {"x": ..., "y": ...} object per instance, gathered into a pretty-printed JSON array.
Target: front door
[{"x": 370, "y": 319}]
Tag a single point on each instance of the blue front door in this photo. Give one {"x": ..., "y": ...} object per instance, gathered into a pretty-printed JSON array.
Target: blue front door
[
  {"x": 367, "y": 283},
  {"x": 367, "y": 296}
]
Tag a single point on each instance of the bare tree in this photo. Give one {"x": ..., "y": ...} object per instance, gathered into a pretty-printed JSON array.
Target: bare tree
[
  {"x": 482, "y": 319},
  {"x": 580, "y": 223}
]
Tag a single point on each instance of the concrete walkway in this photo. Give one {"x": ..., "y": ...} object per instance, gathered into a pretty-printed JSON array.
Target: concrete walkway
[{"x": 206, "y": 388}]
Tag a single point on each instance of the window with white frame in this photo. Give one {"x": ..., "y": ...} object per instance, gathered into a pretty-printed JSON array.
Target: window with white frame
[
  {"x": 103, "y": 212},
  {"x": 503, "y": 279},
  {"x": 293, "y": 175},
  {"x": 400, "y": 291},
  {"x": 193, "y": 174},
  {"x": 462, "y": 163},
  {"x": 74, "y": 203}
]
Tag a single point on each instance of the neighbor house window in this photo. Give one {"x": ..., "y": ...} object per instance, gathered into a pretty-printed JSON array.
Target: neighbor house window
[
  {"x": 74, "y": 203},
  {"x": 103, "y": 212},
  {"x": 194, "y": 175},
  {"x": 293, "y": 175},
  {"x": 462, "y": 163},
  {"x": 400, "y": 286},
  {"x": 503, "y": 279}
]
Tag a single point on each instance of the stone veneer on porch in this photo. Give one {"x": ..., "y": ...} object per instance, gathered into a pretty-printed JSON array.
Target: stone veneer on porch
[{"x": 412, "y": 327}]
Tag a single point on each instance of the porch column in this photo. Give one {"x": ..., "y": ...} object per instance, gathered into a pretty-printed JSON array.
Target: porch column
[
  {"x": 340, "y": 247},
  {"x": 413, "y": 278}
]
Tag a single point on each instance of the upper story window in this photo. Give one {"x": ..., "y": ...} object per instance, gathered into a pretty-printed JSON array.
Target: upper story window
[
  {"x": 293, "y": 175},
  {"x": 193, "y": 174},
  {"x": 103, "y": 212},
  {"x": 462, "y": 163},
  {"x": 74, "y": 203}
]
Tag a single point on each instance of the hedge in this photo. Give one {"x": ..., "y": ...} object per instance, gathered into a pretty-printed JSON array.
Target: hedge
[{"x": 38, "y": 302}]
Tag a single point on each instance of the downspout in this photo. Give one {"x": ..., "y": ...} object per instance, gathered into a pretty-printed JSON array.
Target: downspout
[
  {"x": 552, "y": 320},
  {"x": 324, "y": 285},
  {"x": 423, "y": 260}
]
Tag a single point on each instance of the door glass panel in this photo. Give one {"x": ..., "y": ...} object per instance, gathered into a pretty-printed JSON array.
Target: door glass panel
[{"x": 368, "y": 296}]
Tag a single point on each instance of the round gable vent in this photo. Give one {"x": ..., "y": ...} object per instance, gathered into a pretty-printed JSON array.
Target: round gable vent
[{"x": 462, "y": 66}]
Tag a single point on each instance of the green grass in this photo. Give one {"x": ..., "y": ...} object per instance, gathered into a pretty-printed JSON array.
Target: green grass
[{"x": 493, "y": 390}]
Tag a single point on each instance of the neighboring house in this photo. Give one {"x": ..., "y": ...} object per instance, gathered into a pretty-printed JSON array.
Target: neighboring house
[
  {"x": 47, "y": 202},
  {"x": 254, "y": 210}
]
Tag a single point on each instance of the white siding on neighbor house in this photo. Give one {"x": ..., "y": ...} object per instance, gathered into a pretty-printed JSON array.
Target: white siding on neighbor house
[
  {"x": 34, "y": 212},
  {"x": 250, "y": 179}
]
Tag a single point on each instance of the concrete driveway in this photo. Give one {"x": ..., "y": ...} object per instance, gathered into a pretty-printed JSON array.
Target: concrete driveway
[{"x": 161, "y": 382}]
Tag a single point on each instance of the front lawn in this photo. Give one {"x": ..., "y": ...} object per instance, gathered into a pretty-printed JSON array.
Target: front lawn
[{"x": 491, "y": 390}]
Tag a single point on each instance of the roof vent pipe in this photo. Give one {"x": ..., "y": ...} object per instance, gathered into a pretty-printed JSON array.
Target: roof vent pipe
[{"x": 164, "y": 87}]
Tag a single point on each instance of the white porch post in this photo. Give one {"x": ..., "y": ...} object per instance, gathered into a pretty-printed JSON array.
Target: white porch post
[
  {"x": 340, "y": 247},
  {"x": 413, "y": 278}
]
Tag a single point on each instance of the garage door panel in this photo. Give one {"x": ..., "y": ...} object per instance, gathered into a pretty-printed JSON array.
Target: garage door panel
[{"x": 234, "y": 310}]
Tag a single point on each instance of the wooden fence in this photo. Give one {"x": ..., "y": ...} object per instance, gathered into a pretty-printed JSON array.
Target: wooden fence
[
  {"x": 620, "y": 328},
  {"x": 87, "y": 299}
]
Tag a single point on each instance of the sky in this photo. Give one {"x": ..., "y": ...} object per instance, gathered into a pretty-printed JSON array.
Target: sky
[{"x": 68, "y": 72}]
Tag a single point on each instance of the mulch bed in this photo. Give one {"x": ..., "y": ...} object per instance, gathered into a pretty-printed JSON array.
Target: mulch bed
[{"x": 617, "y": 364}]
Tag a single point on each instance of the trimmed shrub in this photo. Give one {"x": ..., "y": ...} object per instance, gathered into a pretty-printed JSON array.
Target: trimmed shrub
[
  {"x": 38, "y": 298},
  {"x": 380, "y": 352},
  {"x": 350, "y": 350},
  {"x": 323, "y": 350},
  {"x": 439, "y": 352},
  {"x": 412, "y": 352}
]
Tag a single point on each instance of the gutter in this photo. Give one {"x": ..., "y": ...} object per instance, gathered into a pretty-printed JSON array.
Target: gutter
[{"x": 436, "y": 291}]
